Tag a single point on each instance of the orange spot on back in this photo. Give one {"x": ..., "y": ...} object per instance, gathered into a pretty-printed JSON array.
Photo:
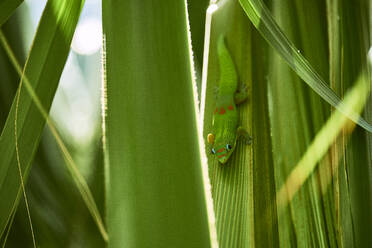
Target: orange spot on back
[
  {"x": 222, "y": 111},
  {"x": 230, "y": 107},
  {"x": 216, "y": 110}
]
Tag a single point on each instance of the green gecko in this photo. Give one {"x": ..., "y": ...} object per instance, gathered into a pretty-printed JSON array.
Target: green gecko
[{"x": 225, "y": 119}]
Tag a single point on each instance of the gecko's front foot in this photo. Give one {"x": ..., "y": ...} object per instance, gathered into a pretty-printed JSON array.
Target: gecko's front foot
[
  {"x": 241, "y": 95},
  {"x": 241, "y": 132}
]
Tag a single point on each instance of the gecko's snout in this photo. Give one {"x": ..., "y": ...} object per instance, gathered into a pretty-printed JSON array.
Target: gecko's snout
[
  {"x": 222, "y": 153},
  {"x": 223, "y": 160}
]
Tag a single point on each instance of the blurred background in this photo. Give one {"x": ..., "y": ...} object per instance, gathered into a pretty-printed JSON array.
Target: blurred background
[{"x": 58, "y": 213}]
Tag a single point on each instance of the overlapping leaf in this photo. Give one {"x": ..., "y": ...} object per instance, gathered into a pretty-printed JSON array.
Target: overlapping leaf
[
  {"x": 269, "y": 29},
  {"x": 7, "y": 7}
]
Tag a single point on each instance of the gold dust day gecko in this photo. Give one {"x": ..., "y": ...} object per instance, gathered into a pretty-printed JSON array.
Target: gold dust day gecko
[{"x": 225, "y": 130}]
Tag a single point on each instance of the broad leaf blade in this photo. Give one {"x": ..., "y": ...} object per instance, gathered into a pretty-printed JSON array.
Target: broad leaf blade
[{"x": 155, "y": 194}]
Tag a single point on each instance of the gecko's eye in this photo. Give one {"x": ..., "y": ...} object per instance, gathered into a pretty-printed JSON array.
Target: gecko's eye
[
  {"x": 213, "y": 151},
  {"x": 228, "y": 147}
]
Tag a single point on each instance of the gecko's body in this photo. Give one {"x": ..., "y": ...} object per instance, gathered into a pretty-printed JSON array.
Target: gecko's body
[{"x": 225, "y": 129}]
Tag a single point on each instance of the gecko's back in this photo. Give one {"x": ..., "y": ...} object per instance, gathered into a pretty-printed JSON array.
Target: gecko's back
[
  {"x": 228, "y": 82},
  {"x": 225, "y": 118}
]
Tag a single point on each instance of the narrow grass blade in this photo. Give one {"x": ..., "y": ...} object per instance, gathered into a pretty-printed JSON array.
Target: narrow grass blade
[
  {"x": 155, "y": 194},
  {"x": 8, "y": 88},
  {"x": 355, "y": 101},
  {"x": 296, "y": 114},
  {"x": 340, "y": 188},
  {"x": 269, "y": 29},
  {"x": 43, "y": 69},
  {"x": 7, "y": 7},
  {"x": 59, "y": 214}
]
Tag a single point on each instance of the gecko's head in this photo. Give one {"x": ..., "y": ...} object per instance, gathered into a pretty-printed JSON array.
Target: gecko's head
[
  {"x": 221, "y": 148},
  {"x": 222, "y": 152}
]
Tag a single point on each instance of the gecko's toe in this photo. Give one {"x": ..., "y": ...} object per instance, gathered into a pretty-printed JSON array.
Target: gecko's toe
[{"x": 248, "y": 140}]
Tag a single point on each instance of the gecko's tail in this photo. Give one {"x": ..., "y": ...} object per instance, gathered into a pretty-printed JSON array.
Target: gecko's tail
[{"x": 228, "y": 77}]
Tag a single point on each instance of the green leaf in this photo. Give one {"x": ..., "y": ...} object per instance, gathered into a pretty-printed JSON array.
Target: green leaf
[
  {"x": 43, "y": 69},
  {"x": 296, "y": 114},
  {"x": 10, "y": 77},
  {"x": 354, "y": 18},
  {"x": 355, "y": 101},
  {"x": 154, "y": 188},
  {"x": 7, "y": 7},
  {"x": 243, "y": 189},
  {"x": 197, "y": 10},
  {"x": 340, "y": 189},
  {"x": 269, "y": 29}
]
